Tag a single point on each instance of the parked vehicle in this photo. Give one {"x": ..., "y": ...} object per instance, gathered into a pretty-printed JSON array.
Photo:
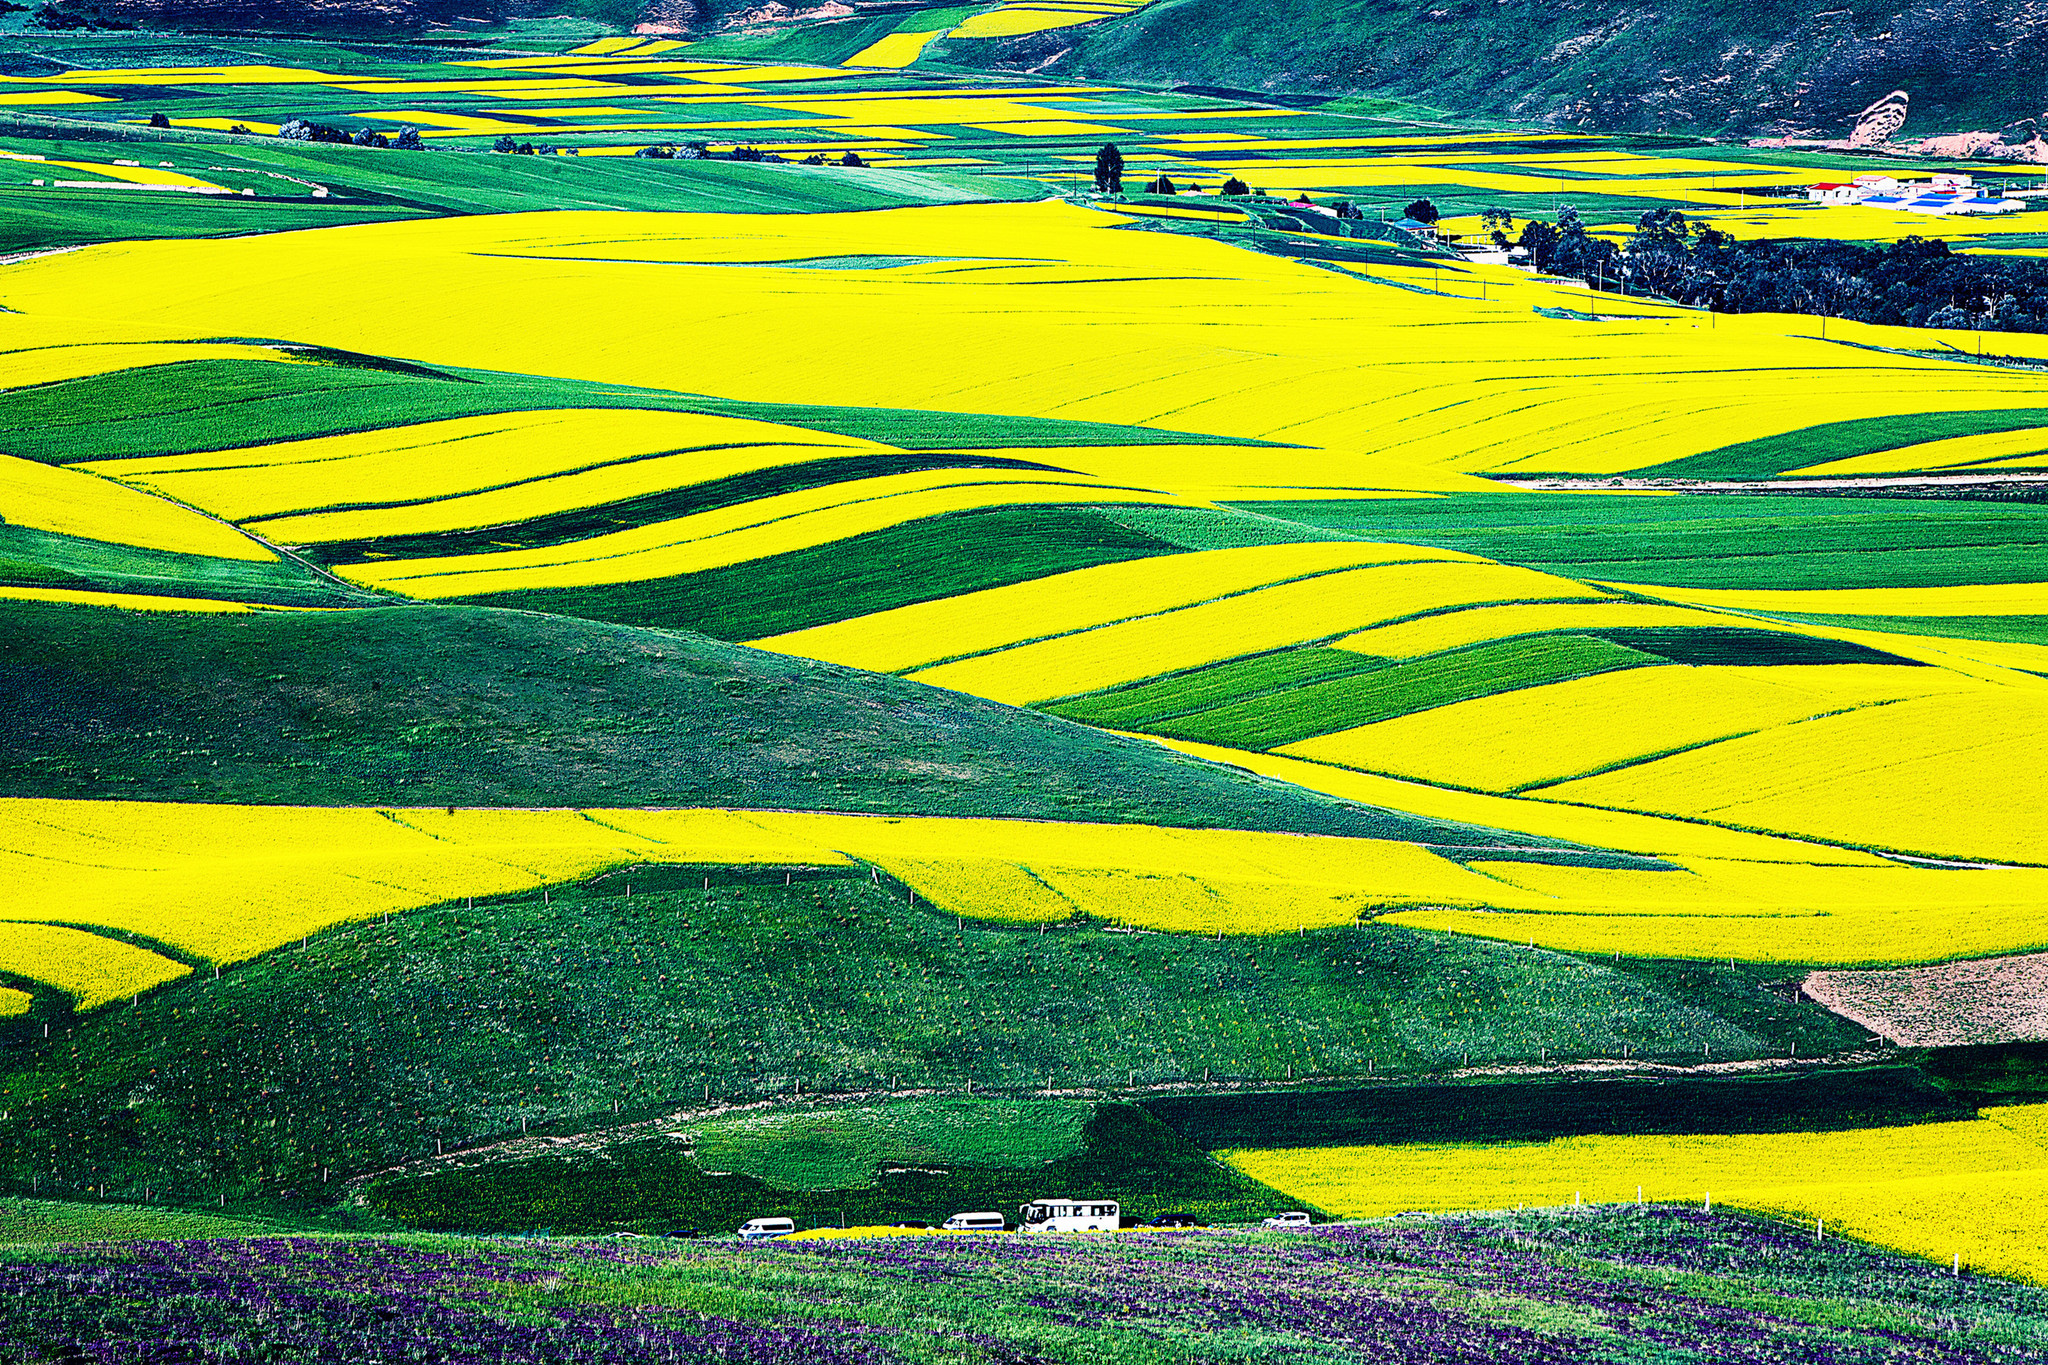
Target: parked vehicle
[
  {"x": 977, "y": 1222},
  {"x": 1070, "y": 1215},
  {"x": 913, "y": 1223},
  {"x": 683, "y": 1234},
  {"x": 1176, "y": 1220},
  {"x": 760, "y": 1229},
  {"x": 1294, "y": 1219}
]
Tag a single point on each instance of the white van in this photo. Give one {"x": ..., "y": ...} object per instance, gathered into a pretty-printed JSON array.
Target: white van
[
  {"x": 1294, "y": 1219},
  {"x": 976, "y": 1222},
  {"x": 760, "y": 1229},
  {"x": 1070, "y": 1215}
]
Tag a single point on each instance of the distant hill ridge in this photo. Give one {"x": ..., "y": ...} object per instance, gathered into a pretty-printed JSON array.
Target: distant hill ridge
[{"x": 1769, "y": 66}]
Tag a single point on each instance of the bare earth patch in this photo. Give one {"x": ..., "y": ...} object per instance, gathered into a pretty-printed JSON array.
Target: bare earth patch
[{"x": 1989, "y": 1000}]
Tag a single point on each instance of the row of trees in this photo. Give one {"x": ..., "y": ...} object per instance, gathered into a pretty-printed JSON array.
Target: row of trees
[
  {"x": 407, "y": 139},
  {"x": 1912, "y": 282}
]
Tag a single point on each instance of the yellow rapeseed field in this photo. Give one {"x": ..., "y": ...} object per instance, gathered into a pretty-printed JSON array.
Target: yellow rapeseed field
[
  {"x": 434, "y": 461},
  {"x": 1975, "y": 1187},
  {"x": 48, "y": 363},
  {"x": 1061, "y": 604},
  {"x": 72, "y": 502},
  {"x": 93, "y": 970},
  {"x": 895, "y": 50},
  {"x": 1944, "y": 776},
  {"x": 14, "y": 1002},
  {"x": 1628, "y": 831},
  {"x": 2025, "y": 448},
  {"x": 1548, "y": 734},
  {"x": 1248, "y": 623},
  {"x": 1336, "y": 365},
  {"x": 731, "y": 535},
  {"x": 1232, "y": 881},
  {"x": 1773, "y": 912}
]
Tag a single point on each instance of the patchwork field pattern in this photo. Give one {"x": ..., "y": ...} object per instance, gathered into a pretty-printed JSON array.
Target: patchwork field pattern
[{"x": 1280, "y": 593}]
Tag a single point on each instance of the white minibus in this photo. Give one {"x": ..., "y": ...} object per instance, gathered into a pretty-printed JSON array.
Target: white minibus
[
  {"x": 759, "y": 1229},
  {"x": 976, "y": 1222},
  {"x": 1070, "y": 1215}
]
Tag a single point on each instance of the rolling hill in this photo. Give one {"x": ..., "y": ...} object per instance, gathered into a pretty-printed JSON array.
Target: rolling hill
[{"x": 606, "y": 693}]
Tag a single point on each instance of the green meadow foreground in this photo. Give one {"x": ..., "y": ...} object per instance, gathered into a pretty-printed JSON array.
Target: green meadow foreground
[{"x": 591, "y": 693}]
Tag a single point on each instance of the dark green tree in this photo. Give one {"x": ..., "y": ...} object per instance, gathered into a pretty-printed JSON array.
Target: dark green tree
[
  {"x": 1109, "y": 170},
  {"x": 1233, "y": 188},
  {"x": 1422, "y": 211}
]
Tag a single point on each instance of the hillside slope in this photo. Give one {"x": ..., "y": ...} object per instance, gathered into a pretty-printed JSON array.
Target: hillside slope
[
  {"x": 1766, "y": 66},
  {"x": 482, "y": 707},
  {"x": 372, "y": 1043}
]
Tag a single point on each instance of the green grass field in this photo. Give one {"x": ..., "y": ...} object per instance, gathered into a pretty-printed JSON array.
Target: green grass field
[
  {"x": 1268, "y": 720},
  {"x": 455, "y": 706},
  {"x": 1716, "y": 540},
  {"x": 33, "y": 558},
  {"x": 1841, "y": 440},
  {"x": 891, "y": 1161},
  {"x": 200, "y": 405}
]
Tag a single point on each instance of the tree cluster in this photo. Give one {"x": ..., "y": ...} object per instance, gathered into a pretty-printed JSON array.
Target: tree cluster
[
  {"x": 303, "y": 130},
  {"x": 669, "y": 151},
  {"x": 1913, "y": 282}
]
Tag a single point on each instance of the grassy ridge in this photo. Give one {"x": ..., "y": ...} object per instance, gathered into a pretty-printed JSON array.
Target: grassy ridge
[
  {"x": 2029, "y": 630},
  {"x": 562, "y": 528},
  {"x": 1772, "y": 455},
  {"x": 197, "y": 405},
  {"x": 1715, "y": 540},
  {"x": 436, "y": 706},
  {"x": 367, "y": 185},
  {"x": 43, "y": 217},
  {"x": 1142, "y": 705},
  {"x": 1295, "y": 694},
  {"x": 366, "y": 1046},
  {"x": 1266, "y": 720},
  {"x": 45, "y": 559},
  {"x": 920, "y": 561}
]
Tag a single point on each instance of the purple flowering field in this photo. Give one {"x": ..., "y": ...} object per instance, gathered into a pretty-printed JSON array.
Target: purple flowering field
[{"x": 1661, "y": 1285}]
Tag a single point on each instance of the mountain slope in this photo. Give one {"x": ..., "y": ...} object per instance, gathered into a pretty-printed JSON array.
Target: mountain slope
[{"x": 1706, "y": 65}]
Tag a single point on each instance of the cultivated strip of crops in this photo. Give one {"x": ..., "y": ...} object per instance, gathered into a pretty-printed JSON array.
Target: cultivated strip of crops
[
  {"x": 73, "y": 503},
  {"x": 1977, "y": 1188},
  {"x": 1548, "y": 734},
  {"x": 1320, "y": 608},
  {"x": 1065, "y": 604}
]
